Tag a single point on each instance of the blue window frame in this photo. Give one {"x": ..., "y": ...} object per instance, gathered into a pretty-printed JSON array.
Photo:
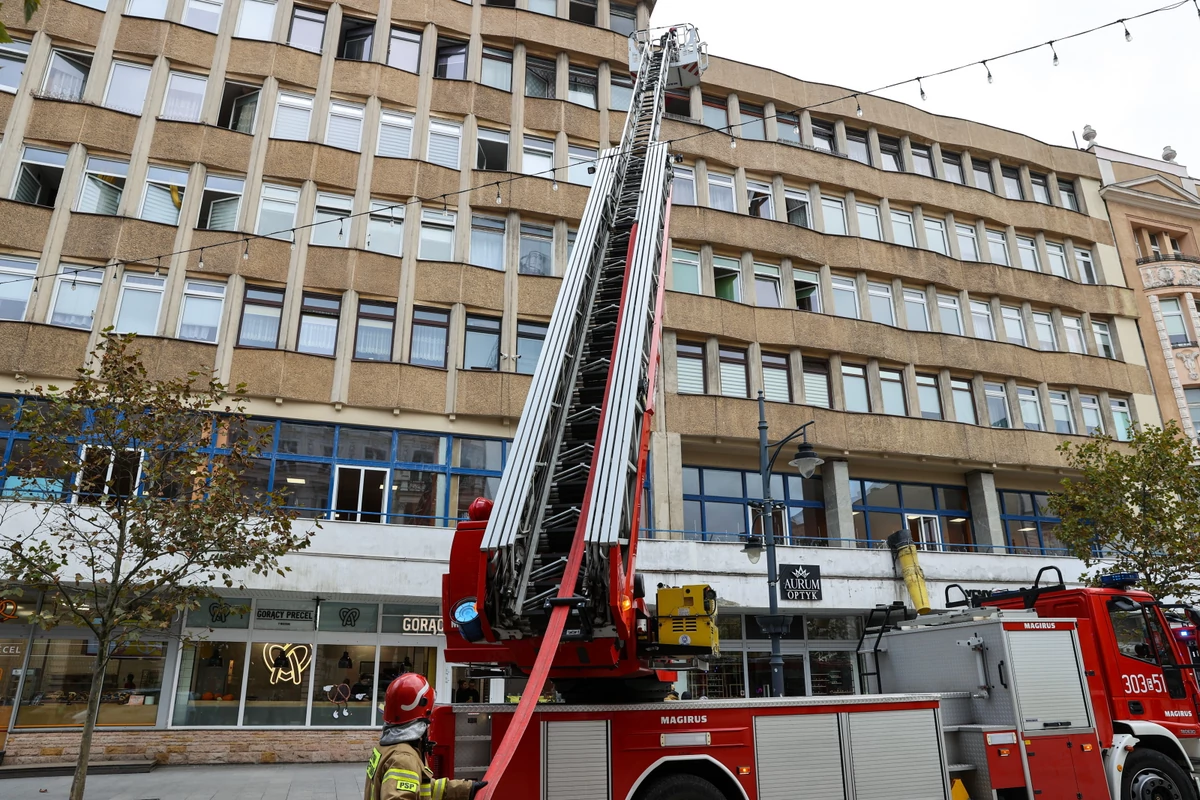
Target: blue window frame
[
  {"x": 716, "y": 506},
  {"x": 1029, "y": 525},
  {"x": 938, "y": 517}
]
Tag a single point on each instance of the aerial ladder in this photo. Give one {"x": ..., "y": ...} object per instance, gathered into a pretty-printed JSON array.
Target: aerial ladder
[{"x": 553, "y": 559}]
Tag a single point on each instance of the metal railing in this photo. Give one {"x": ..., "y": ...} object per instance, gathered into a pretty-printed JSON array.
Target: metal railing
[
  {"x": 1157, "y": 257},
  {"x": 669, "y": 534}
]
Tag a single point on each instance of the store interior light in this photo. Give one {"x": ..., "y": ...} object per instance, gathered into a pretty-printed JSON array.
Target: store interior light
[
  {"x": 300, "y": 481},
  {"x": 958, "y": 519},
  {"x": 1026, "y": 530}
]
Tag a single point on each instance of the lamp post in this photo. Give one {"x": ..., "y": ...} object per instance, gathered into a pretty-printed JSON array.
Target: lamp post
[{"x": 806, "y": 461}]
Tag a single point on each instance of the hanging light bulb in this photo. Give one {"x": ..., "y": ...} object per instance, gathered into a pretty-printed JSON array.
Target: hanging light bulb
[
  {"x": 246, "y": 252},
  {"x": 499, "y": 199},
  {"x": 114, "y": 275},
  {"x": 554, "y": 185},
  {"x": 72, "y": 282},
  {"x": 1052, "y": 50},
  {"x": 1128, "y": 35},
  {"x": 921, "y": 86},
  {"x": 732, "y": 141},
  {"x": 201, "y": 266},
  {"x": 341, "y": 228},
  {"x": 158, "y": 268},
  {"x": 858, "y": 106},
  {"x": 989, "y": 70}
]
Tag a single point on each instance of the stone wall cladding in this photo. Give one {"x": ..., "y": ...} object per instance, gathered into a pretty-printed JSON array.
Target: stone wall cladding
[{"x": 241, "y": 746}]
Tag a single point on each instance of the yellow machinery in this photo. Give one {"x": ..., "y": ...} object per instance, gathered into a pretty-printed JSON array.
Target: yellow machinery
[
  {"x": 904, "y": 551},
  {"x": 687, "y": 620}
]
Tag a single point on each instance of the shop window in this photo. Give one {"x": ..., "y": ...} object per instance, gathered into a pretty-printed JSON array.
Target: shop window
[
  {"x": 139, "y": 304},
  {"x": 451, "y": 60},
  {"x": 200, "y": 314},
  {"x": 163, "y": 200},
  {"x": 759, "y": 674},
  {"x": 39, "y": 176},
  {"x": 307, "y": 29},
  {"x": 355, "y": 38},
  {"x": 497, "y": 69},
  {"x": 430, "y": 334},
  {"x": 481, "y": 346},
  {"x": 345, "y": 676},
  {"x": 277, "y": 684},
  {"x": 385, "y": 227},
  {"x": 17, "y": 278},
  {"x": 127, "y": 87},
  {"x": 103, "y": 185},
  {"x": 404, "y": 50},
  {"x": 530, "y": 338},
  {"x": 209, "y": 689},
  {"x": 257, "y": 20},
  {"x": 261, "y": 313},
  {"x": 75, "y": 294},
  {"x": 541, "y": 76}
]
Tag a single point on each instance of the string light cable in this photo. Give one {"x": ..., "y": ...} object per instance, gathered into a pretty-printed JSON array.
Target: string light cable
[{"x": 728, "y": 130}]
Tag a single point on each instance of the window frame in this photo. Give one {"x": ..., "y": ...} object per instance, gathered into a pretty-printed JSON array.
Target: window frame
[
  {"x": 773, "y": 364},
  {"x": 997, "y": 392},
  {"x": 733, "y": 365},
  {"x": 926, "y": 381},
  {"x": 93, "y": 278},
  {"x": 144, "y": 283},
  {"x": 917, "y": 300},
  {"x": 838, "y": 206},
  {"x": 1014, "y": 315},
  {"x": 433, "y": 219},
  {"x": 15, "y": 270},
  {"x": 432, "y": 318},
  {"x": 948, "y": 303},
  {"x": 207, "y": 290},
  {"x": 722, "y": 182},
  {"x": 893, "y": 380},
  {"x": 982, "y": 308},
  {"x": 262, "y": 302},
  {"x": 858, "y": 374},
  {"x": 848, "y": 287},
  {"x": 184, "y": 76},
  {"x": 374, "y": 310},
  {"x": 1010, "y": 178},
  {"x": 959, "y": 387},
  {"x": 693, "y": 354},
  {"x": 883, "y": 293},
  {"x": 496, "y": 55},
  {"x": 873, "y": 217},
  {"x": 16, "y": 51},
  {"x": 344, "y": 110},
  {"x": 1029, "y": 403},
  {"x": 299, "y": 12},
  {"x": 1060, "y": 401}
]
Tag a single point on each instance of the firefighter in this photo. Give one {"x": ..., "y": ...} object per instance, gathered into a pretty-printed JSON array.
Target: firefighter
[{"x": 397, "y": 769}]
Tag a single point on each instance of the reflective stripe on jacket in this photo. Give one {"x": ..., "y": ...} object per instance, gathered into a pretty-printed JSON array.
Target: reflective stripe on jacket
[{"x": 397, "y": 772}]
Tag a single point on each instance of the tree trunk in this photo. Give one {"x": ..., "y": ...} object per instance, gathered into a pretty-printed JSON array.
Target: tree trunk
[{"x": 89, "y": 724}]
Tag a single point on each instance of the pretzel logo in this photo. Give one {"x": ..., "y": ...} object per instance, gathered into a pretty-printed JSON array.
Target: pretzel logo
[
  {"x": 219, "y": 611},
  {"x": 297, "y": 657},
  {"x": 349, "y": 616},
  {"x": 8, "y": 609}
]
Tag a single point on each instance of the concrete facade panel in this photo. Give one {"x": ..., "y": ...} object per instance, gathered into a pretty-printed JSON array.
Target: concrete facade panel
[
  {"x": 377, "y": 275},
  {"x": 64, "y": 122},
  {"x": 537, "y": 295},
  {"x": 395, "y": 85},
  {"x": 168, "y": 359},
  {"x": 41, "y": 351},
  {"x": 380, "y": 385},
  {"x": 67, "y": 22},
  {"x": 443, "y": 283},
  {"x": 329, "y": 267},
  {"x": 24, "y": 226},
  {"x": 547, "y": 35}
]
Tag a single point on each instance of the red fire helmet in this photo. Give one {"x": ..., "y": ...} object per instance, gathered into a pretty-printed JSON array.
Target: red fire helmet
[{"x": 408, "y": 697}]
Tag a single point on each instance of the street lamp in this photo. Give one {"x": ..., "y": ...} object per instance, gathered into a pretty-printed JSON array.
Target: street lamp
[{"x": 806, "y": 461}]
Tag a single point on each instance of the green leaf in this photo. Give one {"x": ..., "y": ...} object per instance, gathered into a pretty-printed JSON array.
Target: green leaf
[{"x": 31, "y": 7}]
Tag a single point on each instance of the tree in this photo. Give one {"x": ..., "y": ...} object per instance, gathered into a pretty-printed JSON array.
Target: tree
[
  {"x": 128, "y": 505},
  {"x": 1135, "y": 507},
  {"x": 31, "y": 7}
]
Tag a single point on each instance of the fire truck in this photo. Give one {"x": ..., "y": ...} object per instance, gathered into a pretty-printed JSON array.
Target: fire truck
[{"x": 1049, "y": 692}]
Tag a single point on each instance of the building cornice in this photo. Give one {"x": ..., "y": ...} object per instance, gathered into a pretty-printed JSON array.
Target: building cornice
[{"x": 1150, "y": 202}]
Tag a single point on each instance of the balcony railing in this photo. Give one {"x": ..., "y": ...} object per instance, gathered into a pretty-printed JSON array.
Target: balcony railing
[{"x": 1151, "y": 259}]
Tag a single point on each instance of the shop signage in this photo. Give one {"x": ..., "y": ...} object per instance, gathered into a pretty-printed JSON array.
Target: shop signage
[
  {"x": 11, "y": 650},
  {"x": 800, "y": 582},
  {"x": 297, "y": 616},
  {"x": 413, "y": 623},
  {"x": 287, "y": 662},
  {"x": 8, "y": 609}
]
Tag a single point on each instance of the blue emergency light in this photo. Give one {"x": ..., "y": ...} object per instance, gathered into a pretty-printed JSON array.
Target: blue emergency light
[{"x": 1119, "y": 580}]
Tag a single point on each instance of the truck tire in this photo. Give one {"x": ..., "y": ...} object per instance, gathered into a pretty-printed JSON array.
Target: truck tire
[
  {"x": 682, "y": 787},
  {"x": 1149, "y": 775}
]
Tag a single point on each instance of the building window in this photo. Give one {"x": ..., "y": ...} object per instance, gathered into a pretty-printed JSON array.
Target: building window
[
  {"x": 430, "y": 337},
  {"x": 1060, "y": 411},
  {"x": 373, "y": 338},
  {"x": 75, "y": 294},
  {"x": 583, "y": 86},
  {"x": 1012, "y": 183},
  {"x": 67, "y": 75},
  {"x": 293, "y": 113},
  {"x": 854, "y": 385},
  {"x": 1073, "y": 326},
  {"x": 491, "y": 150},
  {"x": 996, "y": 397},
  {"x": 727, "y": 278},
  {"x": 622, "y": 19},
  {"x": 1014, "y": 327},
  {"x": 788, "y": 127},
  {"x": 935, "y": 236},
  {"x": 139, "y": 304},
  {"x": 1031, "y": 408},
  {"x": 497, "y": 69},
  {"x": 1027, "y": 250},
  {"x": 752, "y": 126},
  {"x": 734, "y": 375},
  {"x": 620, "y": 90},
  {"x": 952, "y": 168},
  {"x": 356, "y": 39},
  {"x": 1029, "y": 526},
  {"x": 481, "y": 347},
  {"x": 127, "y": 87},
  {"x": 823, "y": 136},
  {"x": 385, "y": 228},
  {"x": 816, "y": 383},
  {"x": 983, "y": 175},
  {"x": 1087, "y": 270},
  {"x": 964, "y": 401},
  {"x": 766, "y": 286},
  {"x": 679, "y": 104},
  {"x": 185, "y": 97},
  {"x": 777, "y": 384},
  {"x": 487, "y": 242},
  {"x": 1066, "y": 194},
  {"x": 583, "y": 11},
  {"x": 720, "y": 192},
  {"x": 329, "y": 226},
  {"x": 444, "y": 143},
  {"x": 891, "y": 386},
  {"x": 968, "y": 243},
  {"x": 261, "y": 313},
  {"x": 916, "y": 308},
  {"x": 531, "y": 336},
  {"x": 277, "y": 212},
  {"x": 808, "y": 290},
  {"x": 998, "y": 247},
  {"x": 1093, "y": 423},
  {"x": 540, "y": 77},
  {"x": 949, "y": 314},
  {"x": 17, "y": 279},
  {"x": 1122, "y": 420},
  {"x": 319, "y": 324},
  {"x": 758, "y": 199},
  {"x": 537, "y": 156},
  {"x": 1041, "y": 188},
  {"x": 879, "y": 297},
  {"x": 103, "y": 185},
  {"x": 437, "y": 235},
  {"x": 835, "y": 215},
  {"x": 683, "y": 187},
  {"x": 845, "y": 297},
  {"x": 395, "y": 135},
  {"x": 200, "y": 314},
  {"x": 685, "y": 271},
  {"x": 902, "y": 229},
  {"x": 922, "y": 158},
  {"x": 404, "y": 50},
  {"x": 1043, "y": 328},
  {"x": 581, "y": 165},
  {"x": 1057, "y": 256},
  {"x": 715, "y": 112},
  {"x": 937, "y": 517},
  {"x": 548, "y": 7},
  {"x": 796, "y": 202},
  {"x": 689, "y": 368},
  {"x": 239, "y": 107},
  {"x": 1172, "y": 315},
  {"x": 308, "y": 29},
  {"x": 12, "y": 64},
  {"x": 889, "y": 151},
  {"x": 981, "y": 319},
  {"x": 164, "y": 195},
  {"x": 868, "y": 222},
  {"x": 537, "y": 250},
  {"x": 257, "y": 20},
  {"x": 344, "y": 128},
  {"x": 856, "y": 146},
  {"x": 718, "y": 503},
  {"x": 451, "y": 60},
  {"x": 1104, "y": 342}
]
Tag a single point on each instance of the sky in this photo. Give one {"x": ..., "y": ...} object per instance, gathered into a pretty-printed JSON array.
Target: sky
[{"x": 1139, "y": 96}]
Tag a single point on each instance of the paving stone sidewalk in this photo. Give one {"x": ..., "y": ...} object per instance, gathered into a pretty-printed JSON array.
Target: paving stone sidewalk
[{"x": 222, "y": 782}]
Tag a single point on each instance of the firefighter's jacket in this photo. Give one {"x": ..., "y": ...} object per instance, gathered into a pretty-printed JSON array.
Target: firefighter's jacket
[{"x": 397, "y": 772}]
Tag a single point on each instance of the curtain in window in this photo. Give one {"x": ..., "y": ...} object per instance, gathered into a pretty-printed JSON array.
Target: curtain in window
[
  {"x": 344, "y": 132},
  {"x": 162, "y": 203},
  {"x": 318, "y": 335},
  {"x": 185, "y": 96},
  {"x": 222, "y": 214},
  {"x": 816, "y": 389},
  {"x": 690, "y": 372},
  {"x": 260, "y": 327},
  {"x": 200, "y": 318},
  {"x": 28, "y": 186},
  {"x": 428, "y": 345},
  {"x": 487, "y": 249},
  {"x": 76, "y": 305},
  {"x": 100, "y": 195},
  {"x": 291, "y": 123},
  {"x": 374, "y": 339},
  {"x": 244, "y": 109},
  {"x": 443, "y": 148},
  {"x": 775, "y": 385},
  {"x": 395, "y": 141}
]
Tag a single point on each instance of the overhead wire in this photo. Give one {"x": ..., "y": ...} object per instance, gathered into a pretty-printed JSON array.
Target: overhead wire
[{"x": 552, "y": 173}]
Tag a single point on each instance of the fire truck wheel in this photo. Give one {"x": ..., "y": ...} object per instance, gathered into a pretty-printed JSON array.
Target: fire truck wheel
[
  {"x": 1149, "y": 775},
  {"x": 682, "y": 787}
]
